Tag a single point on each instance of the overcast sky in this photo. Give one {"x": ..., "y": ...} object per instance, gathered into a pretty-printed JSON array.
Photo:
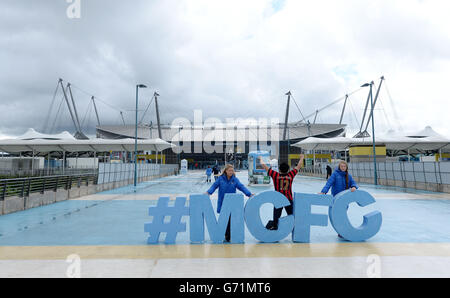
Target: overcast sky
[{"x": 234, "y": 58}]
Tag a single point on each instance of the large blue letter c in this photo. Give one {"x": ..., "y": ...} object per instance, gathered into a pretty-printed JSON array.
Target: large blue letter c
[
  {"x": 253, "y": 218},
  {"x": 339, "y": 218}
]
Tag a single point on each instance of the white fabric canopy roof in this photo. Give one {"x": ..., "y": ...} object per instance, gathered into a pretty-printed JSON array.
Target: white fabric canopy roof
[
  {"x": 426, "y": 132},
  {"x": 93, "y": 145},
  {"x": 32, "y": 134},
  {"x": 392, "y": 143}
]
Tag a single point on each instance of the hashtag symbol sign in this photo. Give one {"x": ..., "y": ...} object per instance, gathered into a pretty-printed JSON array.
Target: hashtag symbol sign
[{"x": 173, "y": 226}]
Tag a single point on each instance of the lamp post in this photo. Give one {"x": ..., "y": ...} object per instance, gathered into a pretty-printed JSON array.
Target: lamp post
[
  {"x": 373, "y": 133},
  {"x": 136, "y": 135}
]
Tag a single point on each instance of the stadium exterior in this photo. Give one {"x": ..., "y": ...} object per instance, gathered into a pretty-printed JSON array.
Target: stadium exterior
[{"x": 206, "y": 145}]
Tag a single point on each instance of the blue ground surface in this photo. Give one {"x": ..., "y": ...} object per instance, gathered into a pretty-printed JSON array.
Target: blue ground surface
[{"x": 121, "y": 222}]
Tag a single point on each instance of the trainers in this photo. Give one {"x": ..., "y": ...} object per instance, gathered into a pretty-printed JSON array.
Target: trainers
[
  {"x": 342, "y": 238},
  {"x": 271, "y": 225}
]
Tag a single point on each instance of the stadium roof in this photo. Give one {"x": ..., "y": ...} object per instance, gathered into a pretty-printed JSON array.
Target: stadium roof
[{"x": 297, "y": 131}]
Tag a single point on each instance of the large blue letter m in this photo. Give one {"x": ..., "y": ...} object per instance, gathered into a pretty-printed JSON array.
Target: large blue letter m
[{"x": 201, "y": 212}]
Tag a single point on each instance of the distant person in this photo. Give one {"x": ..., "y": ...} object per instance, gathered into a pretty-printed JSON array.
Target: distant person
[
  {"x": 340, "y": 180},
  {"x": 216, "y": 172},
  {"x": 282, "y": 183},
  {"x": 329, "y": 171},
  {"x": 208, "y": 174},
  {"x": 227, "y": 183}
]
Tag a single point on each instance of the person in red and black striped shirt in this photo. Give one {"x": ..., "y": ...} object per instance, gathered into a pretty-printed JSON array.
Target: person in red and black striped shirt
[{"x": 282, "y": 183}]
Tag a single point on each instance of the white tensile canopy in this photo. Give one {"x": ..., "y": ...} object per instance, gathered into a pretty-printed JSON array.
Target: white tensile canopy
[
  {"x": 391, "y": 143},
  {"x": 32, "y": 134},
  {"x": 338, "y": 143},
  {"x": 93, "y": 145}
]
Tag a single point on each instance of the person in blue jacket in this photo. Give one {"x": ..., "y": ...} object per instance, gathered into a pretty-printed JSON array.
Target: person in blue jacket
[
  {"x": 340, "y": 180},
  {"x": 227, "y": 183},
  {"x": 208, "y": 174}
]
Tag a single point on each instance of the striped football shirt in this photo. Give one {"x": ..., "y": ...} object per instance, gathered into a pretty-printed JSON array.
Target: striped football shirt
[{"x": 283, "y": 182}]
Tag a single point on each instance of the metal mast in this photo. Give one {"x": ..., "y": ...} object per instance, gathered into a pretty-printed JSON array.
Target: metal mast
[
  {"x": 374, "y": 103},
  {"x": 157, "y": 115},
  {"x": 123, "y": 119},
  {"x": 74, "y": 107},
  {"x": 68, "y": 105},
  {"x": 79, "y": 134},
  {"x": 315, "y": 117},
  {"x": 362, "y": 134},
  {"x": 289, "y": 94},
  {"x": 96, "y": 112},
  {"x": 343, "y": 109}
]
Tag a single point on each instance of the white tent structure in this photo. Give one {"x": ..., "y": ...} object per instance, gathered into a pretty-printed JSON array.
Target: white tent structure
[
  {"x": 33, "y": 141},
  {"x": 39, "y": 144},
  {"x": 426, "y": 132},
  {"x": 93, "y": 145},
  {"x": 338, "y": 144},
  {"x": 426, "y": 140},
  {"x": 398, "y": 144},
  {"x": 32, "y": 134}
]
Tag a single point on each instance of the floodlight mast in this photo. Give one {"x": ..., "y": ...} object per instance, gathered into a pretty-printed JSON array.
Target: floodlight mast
[{"x": 136, "y": 134}]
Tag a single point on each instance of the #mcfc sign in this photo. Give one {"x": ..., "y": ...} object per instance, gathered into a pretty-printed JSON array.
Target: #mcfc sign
[{"x": 167, "y": 218}]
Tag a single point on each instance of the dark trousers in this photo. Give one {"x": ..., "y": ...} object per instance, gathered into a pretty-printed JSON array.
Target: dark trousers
[
  {"x": 228, "y": 231},
  {"x": 277, "y": 212}
]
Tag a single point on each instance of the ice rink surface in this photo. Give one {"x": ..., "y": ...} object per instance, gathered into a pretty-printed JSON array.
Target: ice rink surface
[{"x": 106, "y": 231}]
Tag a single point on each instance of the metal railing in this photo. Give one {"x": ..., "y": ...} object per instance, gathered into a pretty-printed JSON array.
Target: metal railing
[
  {"x": 115, "y": 172},
  {"x": 422, "y": 172},
  {"x": 23, "y": 187},
  {"x": 106, "y": 173},
  {"x": 18, "y": 173},
  {"x": 312, "y": 170}
]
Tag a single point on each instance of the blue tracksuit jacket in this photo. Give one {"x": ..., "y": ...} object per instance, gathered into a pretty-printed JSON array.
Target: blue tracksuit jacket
[
  {"x": 337, "y": 182},
  {"x": 225, "y": 186}
]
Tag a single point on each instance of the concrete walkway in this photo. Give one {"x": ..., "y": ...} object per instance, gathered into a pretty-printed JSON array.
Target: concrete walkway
[{"x": 105, "y": 231}]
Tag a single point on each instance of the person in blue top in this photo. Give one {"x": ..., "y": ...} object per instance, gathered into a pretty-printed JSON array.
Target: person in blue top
[
  {"x": 340, "y": 180},
  {"x": 227, "y": 183},
  {"x": 208, "y": 174}
]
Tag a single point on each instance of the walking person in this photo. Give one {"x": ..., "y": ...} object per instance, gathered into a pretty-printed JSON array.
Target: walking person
[
  {"x": 282, "y": 183},
  {"x": 227, "y": 183},
  {"x": 329, "y": 171},
  {"x": 208, "y": 174},
  {"x": 216, "y": 172}
]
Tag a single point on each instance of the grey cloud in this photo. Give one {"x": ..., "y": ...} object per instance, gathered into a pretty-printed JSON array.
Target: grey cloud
[{"x": 117, "y": 44}]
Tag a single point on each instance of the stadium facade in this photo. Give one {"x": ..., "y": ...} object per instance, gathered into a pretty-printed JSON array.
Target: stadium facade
[{"x": 207, "y": 144}]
